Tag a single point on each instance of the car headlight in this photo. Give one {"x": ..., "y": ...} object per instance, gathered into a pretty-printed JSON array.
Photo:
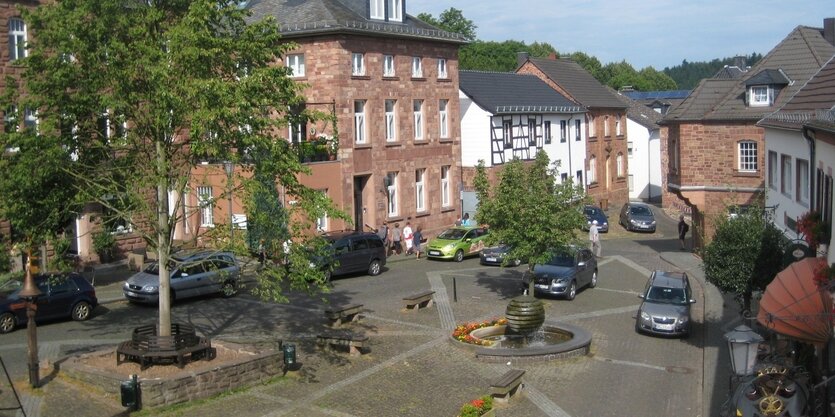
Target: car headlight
[
  {"x": 652, "y": 223},
  {"x": 633, "y": 221},
  {"x": 683, "y": 320},
  {"x": 449, "y": 247},
  {"x": 644, "y": 316},
  {"x": 150, "y": 288}
]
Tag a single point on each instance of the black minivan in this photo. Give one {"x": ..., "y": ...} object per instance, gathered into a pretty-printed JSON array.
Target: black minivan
[{"x": 357, "y": 252}]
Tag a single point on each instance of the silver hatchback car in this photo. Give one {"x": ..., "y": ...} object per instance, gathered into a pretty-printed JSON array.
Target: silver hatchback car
[
  {"x": 666, "y": 306},
  {"x": 192, "y": 274}
]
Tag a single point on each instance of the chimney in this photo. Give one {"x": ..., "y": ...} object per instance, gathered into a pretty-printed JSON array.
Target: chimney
[
  {"x": 521, "y": 58},
  {"x": 552, "y": 55},
  {"x": 829, "y": 29},
  {"x": 739, "y": 62}
]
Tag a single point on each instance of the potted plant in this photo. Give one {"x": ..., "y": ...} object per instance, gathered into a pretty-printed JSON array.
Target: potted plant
[
  {"x": 824, "y": 275},
  {"x": 479, "y": 407},
  {"x": 814, "y": 230},
  {"x": 103, "y": 244}
]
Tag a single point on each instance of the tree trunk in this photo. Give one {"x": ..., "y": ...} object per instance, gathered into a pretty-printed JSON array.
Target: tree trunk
[{"x": 163, "y": 242}]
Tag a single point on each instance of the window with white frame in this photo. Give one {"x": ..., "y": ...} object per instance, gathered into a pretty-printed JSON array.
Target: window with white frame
[
  {"x": 760, "y": 95},
  {"x": 532, "y": 132},
  {"x": 629, "y": 149},
  {"x": 378, "y": 9},
  {"x": 772, "y": 170},
  {"x": 103, "y": 125},
  {"x": 388, "y": 66},
  {"x": 445, "y": 190},
  {"x": 617, "y": 126},
  {"x": 563, "y": 177},
  {"x": 592, "y": 175},
  {"x": 417, "y": 110},
  {"x": 10, "y": 120},
  {"x": 30, "y": 119},
  {"x": 296, "y": 64},
  {"x": 631, "y": 183},
  {"x": 359, "y": 121},
  {"x": 391, "y": 120},
  {"x": 591, "y": 128},
  {"x": 577, "y": 130},
  {"x": 420, "y": 190},
  {"x": 443, "y": 118},
  {"x": 748, "y": 156},
  {"x": 606, "y": 126},
  {"x": 546, "y": 131},
  {"x": 391, "y": 190},
  {"x": 563, "y": 128},
  {"x": 206, "y": 203},
  {"x": 357, "y": 64},
  {"x": 322, "y": 221},
  {"x": 395, "y": 10},
  {"x": 786, "y": 174},
  {"x": 675, "y": 161},
  {"x": 17, "y": 39},
  {"x": 802, "y": 188},
  {"x": 442, "y": 68},
  {"x": 619, "y": 161},
  {"x": 579, "y": 176},
  {"x": 417, "y": 67},
  {"x": 507, "y": 131},
  {"x": 297, "y": 123}
]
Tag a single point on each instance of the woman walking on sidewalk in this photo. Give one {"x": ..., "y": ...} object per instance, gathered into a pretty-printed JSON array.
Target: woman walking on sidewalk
[{"x": 417, "y": 236}]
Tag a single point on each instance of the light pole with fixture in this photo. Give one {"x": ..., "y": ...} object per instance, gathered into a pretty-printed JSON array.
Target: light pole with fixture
[
  {"x": 229, "y": 167},
  {"x": 743, "y": 344}
]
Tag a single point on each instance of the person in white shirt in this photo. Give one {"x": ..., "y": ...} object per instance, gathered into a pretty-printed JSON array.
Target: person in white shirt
[
  {"x": 594, "y": 239},
  {"x": 407, "y": 236}
]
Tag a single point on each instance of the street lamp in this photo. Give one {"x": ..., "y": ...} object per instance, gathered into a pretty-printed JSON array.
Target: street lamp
[
  {"x": 229, "y": 167},
  {"x": 30, "y": 293},
  {"x": 743, "y": 344}
]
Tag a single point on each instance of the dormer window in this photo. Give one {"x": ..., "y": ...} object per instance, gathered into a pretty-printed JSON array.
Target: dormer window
[
  {"x": 395, "y": 10},
  {"x": 762, "y": 89},
  {"x": 760, "y": 95},
  {"x": 378, "y": 9},
  {"x": 390, "y": 10}
]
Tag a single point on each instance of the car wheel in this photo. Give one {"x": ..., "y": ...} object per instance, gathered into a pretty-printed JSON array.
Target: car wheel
[
  {"x": 459, "y": 255},
  {"x": 572, "y": 291},
  {"x": 374, "y": 268},
  {"x": 7, "y": 322},
  {"x": 593, "y": 282},
  {"x": 81, "y": 311},
  {"x": 228, "y": 289}
]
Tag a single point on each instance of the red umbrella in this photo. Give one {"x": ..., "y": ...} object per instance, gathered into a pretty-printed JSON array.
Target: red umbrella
[{"x": 795, "y": 307}]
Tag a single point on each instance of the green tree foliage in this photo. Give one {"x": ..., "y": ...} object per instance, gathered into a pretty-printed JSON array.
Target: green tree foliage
[
  {"x": 452, "y": 20},
  {"x": 182, "y": 82},
  {"x": 529, "y": 210},
  {"x": 498, "y": 56},
  {"x": 745, "y": 255},
  {"x": 688, "y": 74}
]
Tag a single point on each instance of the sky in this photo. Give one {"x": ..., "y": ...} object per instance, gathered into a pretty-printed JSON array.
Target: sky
[{"x": 657, "y": 33}]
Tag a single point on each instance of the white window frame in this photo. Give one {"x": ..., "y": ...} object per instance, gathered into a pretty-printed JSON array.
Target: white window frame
[
  {"x": 417, "y": 110},
  {"x": 577, "y": 130},
  {"x": 391, "y": 120},
  {"x": 630, "y": 149},
  {"x": 532, "y": 132},
  {"x": 591, "y": 128},
  {"x": 359, "y": 122},
  {"x": 388, "y": 66},
  {"x": 206, "y": 203},
  {"x": 10, "y": 121},
  {"x": 357, "y": 64},
  {"x": 417, "y": 67},
  {"x": 30, "y": 119},
  {"x": 592, "y": 174},
  {"x": 563, "y": 131},
  {"x": 786, "y": 184},
  {"x": 546, "y": 131},
  {"x": 420, "y": 190},
  {"x": 631, "y": 183},
  {"x": 747, "y": 156},
  {"x": 443, "y": 118},
  {"x": 773, "y": 167},
  {"x": 605, "y": 126},
  {"x": 445, "y": 191},
  {"x": 17, "y": 39},
  {"x": 802, "y": 189},
  {"x": 295, "y": 62},
  {"x": 619, "y": 163},
  {"x": 760, "y": 95},
  {"x": 377, "y": 9},
  {"x": 395, "y": 10},
  {"x": 442, "y": 71},
  {"x": 392, "y": 194},
  {"x": 507, "y": 131},
  {"x": 618, "y": 132}
]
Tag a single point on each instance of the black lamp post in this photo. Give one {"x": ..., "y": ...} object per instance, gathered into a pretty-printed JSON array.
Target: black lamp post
[
  {"x": 229, "y": 167},
  {"x": 30, "y": 293}
]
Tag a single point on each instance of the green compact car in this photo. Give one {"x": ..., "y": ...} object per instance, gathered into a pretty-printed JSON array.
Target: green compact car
[{"x": 456, "y": 243}]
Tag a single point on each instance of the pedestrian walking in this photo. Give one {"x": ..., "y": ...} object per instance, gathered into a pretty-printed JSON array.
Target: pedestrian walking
[
  {"x": 407, "y": 237},
  {"x": 682, "y": 231},
  {"x": 416, "y": 238},
  {"x": 383, "y": 233},
  {"x": 594, "y": 239},
  {"x": 396, "y": 236},
  {"x": 262, "y": 252}
]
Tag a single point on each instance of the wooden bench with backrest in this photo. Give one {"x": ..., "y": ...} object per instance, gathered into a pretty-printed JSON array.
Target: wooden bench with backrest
[
  {"x": 507, "y": 386},
  {"x": 339, "y": 315},
  {"x": 353, "y": 342},
  {"x": 147, "y": 348},
  {"x": 419, "y": 300}
]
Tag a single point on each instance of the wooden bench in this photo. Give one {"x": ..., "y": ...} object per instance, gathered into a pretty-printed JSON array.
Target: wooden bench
[
  {"x": 340, "y": 315},
  {"x": 146, "y": 348},
  {"x": 352, "y": 341},
  {"x": 507, "y": 386},
  {"x": 419, "y": 300}
]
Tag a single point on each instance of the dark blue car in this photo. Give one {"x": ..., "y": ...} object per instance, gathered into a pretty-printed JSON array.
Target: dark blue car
[
  {"x": 593, "y": 213},
  {"x": 566, "y": 272},
  {"x": 62, "y": 295}
]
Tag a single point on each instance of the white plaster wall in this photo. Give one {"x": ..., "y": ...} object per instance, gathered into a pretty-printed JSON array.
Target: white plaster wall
[
  {"x": 789, "y": 143},
  {"x": 475, "y": 133},
  {"x": 645, "y": 163},
  {"x": 825, "y": 156}
]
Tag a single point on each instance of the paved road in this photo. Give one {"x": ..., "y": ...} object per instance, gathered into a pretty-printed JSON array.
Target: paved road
[{"x": 412, "y": 368}]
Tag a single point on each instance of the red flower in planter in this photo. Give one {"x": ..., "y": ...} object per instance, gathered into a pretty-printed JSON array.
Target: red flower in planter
[{"x": 824, "y": 275}]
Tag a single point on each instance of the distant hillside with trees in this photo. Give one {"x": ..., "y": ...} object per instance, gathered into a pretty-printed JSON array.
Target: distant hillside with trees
[{"x": 688, "y": 74}]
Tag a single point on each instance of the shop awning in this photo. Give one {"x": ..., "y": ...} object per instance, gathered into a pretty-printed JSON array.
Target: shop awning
[{"x": 793, "y": 306}]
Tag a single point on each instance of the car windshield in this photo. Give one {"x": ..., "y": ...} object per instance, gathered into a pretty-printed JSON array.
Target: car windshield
[
  {"x": 9, "y": 287},
  {"x": 666, "y": 295},
  {"x": 592, "y": 211},
  {"x": 153, "y": 268},
  {"x": 452, "y": 234},
  {"x": 561, "y": 260},
  {"x": 640, "y": 210}
]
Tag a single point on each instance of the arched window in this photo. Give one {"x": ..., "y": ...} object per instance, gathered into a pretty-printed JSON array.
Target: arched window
[{"x": 620, "y": 165}]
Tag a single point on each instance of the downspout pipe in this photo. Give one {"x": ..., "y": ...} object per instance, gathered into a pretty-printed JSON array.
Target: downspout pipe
[{"x": 812, "y": 165}]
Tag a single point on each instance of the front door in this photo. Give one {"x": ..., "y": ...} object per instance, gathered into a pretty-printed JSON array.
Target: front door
[{"x": 359, "y": 206}]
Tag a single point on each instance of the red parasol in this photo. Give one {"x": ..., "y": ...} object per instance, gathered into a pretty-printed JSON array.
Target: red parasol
[{"x": 795, "y": 307}]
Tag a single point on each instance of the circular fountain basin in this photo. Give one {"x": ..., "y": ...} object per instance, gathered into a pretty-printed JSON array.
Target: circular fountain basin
[{"x": 558, "y": 341}]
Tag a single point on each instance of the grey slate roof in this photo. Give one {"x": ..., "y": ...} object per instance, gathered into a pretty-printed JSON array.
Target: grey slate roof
[
  {"x": 579, "y": 84},
  {"x": 507, "y": 92},
  {"x": 298, "y": 18},
  {"x": 799, "y": 56},
  {"x": 813, "y": 103},
  {"x": 729, "y": 71},
  {"x": 640, "y": 113},
  {"x": 768, "y": 77}
]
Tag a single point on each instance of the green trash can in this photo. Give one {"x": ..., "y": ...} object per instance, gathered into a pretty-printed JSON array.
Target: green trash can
[
  {"x": 289, "y": 355},
  {"x": 130, "y": 393}
]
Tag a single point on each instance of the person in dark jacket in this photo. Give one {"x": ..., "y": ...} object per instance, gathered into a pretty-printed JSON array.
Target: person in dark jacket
[
  {"x": 417, "y": 236},
  {"x": 682, "y": 231}
]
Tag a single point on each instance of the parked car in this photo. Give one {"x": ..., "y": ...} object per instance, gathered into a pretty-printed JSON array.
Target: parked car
[
  {"x": 62, "y": 295},
  {"x": 666, "y": 306},
  {"x": 495, "y": 255},
  {"x": 355, "y": 252},
  {"x": 593, "y": 213},
  {"x": 193, "y": 273},
  {"x": 456, "y": 243},
  {"x": 568, "y": 270},
  {"x": 637, "y": 217}
]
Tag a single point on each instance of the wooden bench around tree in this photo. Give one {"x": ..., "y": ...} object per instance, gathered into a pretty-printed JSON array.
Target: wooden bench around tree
[
  {"x": 419, "y": 300},
  {"x": 339, "y": 315},
  {"x": 147, "y": 348},
  {"x": 507, "y": 386},
  {"x": 353, "y": 342}
]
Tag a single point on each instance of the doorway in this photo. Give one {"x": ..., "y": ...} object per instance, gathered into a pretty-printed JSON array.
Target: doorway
[{"x": 360, "y": 183}]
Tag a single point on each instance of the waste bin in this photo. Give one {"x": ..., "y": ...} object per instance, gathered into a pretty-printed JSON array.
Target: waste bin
[
  {"x": 130, "y": 393},
  {"x": 289, "y": 355}
]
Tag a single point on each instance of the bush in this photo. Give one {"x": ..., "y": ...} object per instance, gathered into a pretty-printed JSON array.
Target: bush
[{"x": 477, "y": 407}]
